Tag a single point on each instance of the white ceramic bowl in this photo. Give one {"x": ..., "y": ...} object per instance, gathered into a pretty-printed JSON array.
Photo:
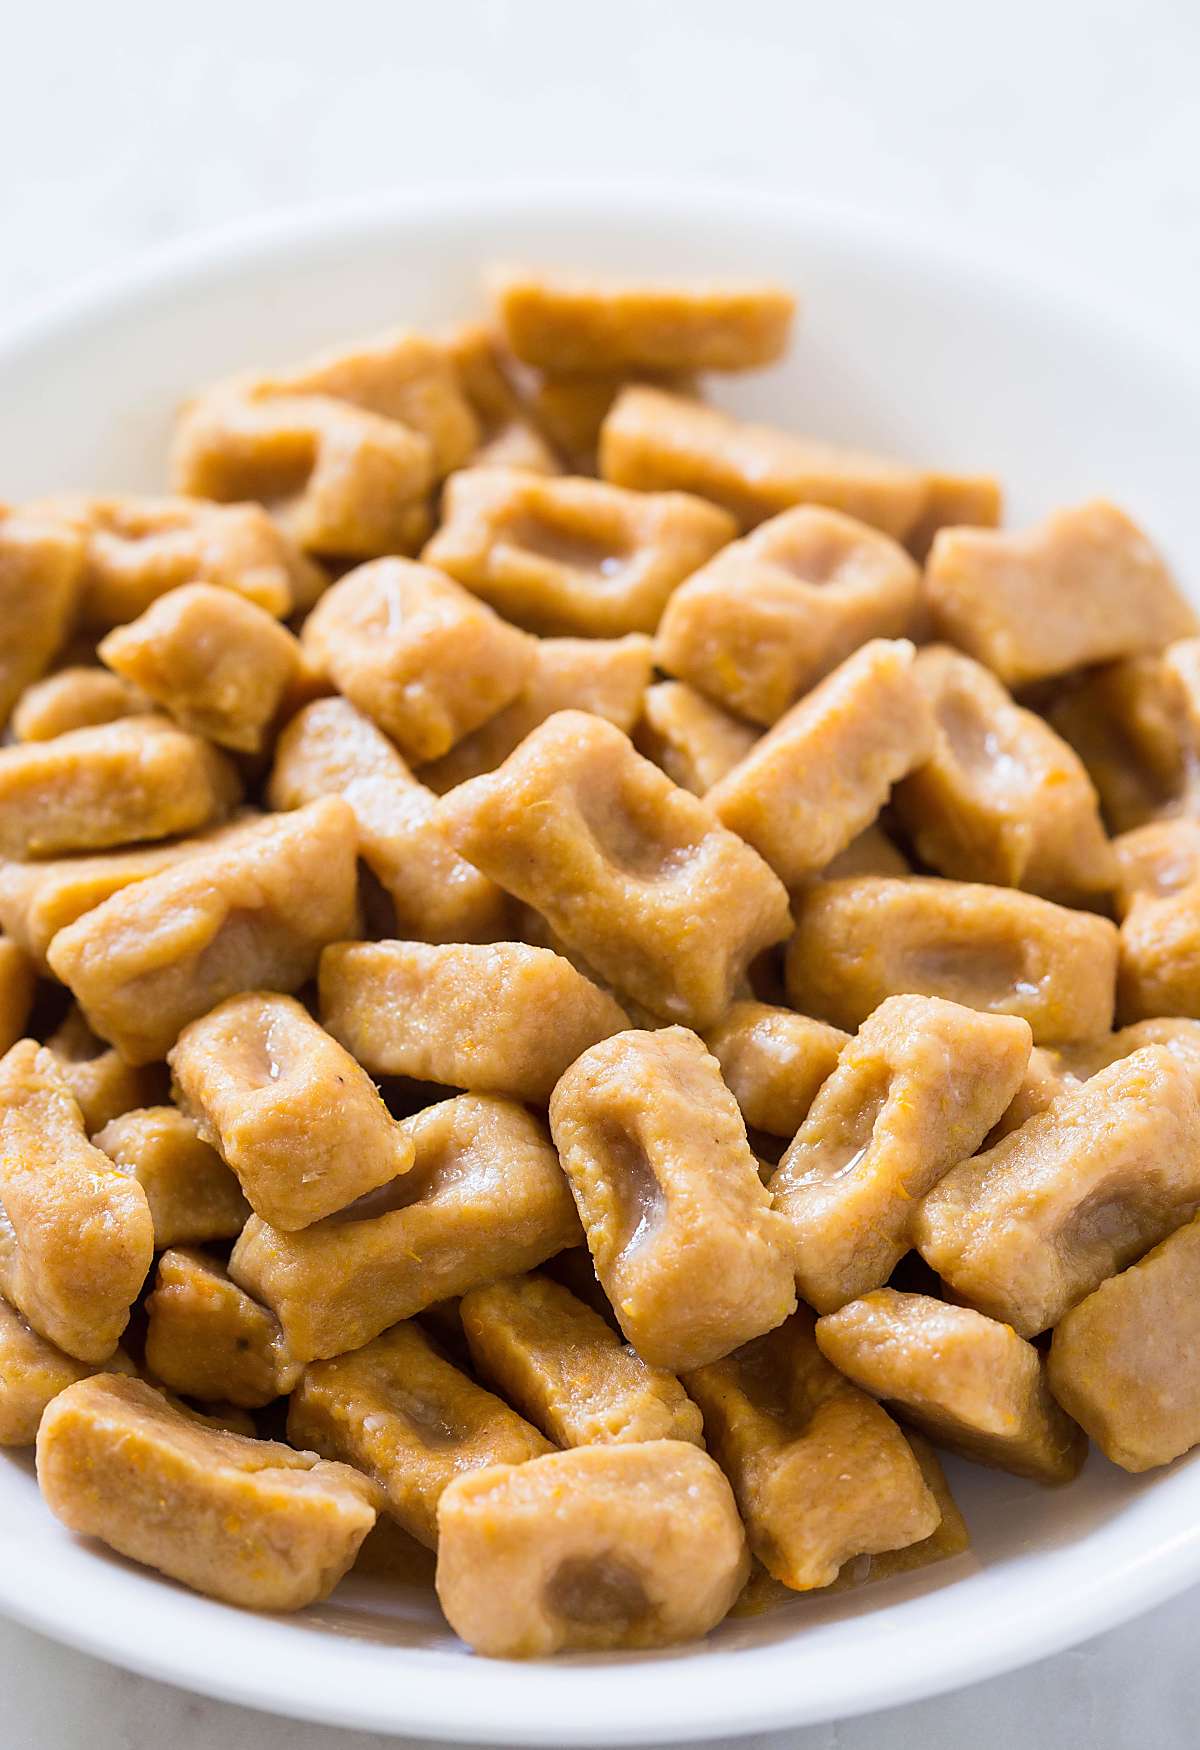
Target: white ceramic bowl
[{"x": 900, "y": 347}]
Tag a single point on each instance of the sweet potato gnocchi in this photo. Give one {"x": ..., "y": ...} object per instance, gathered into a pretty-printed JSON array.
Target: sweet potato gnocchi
[{"x": 535, "y": 916}]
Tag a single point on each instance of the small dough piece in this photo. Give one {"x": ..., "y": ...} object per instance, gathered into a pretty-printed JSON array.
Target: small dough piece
[
  {"x": 865, "y": 938},
  {"x": 955, "y": 501},
  {"x": 657, "y": 442},
  {"x": 758, "y": 626},
  {"x": 606, "y": 676},
  {"x": 1160, "y": 957},
  {"x": 1134, "y": 727},
  {"x": 565, "y": 323},
  {"x": 341, "y": 482},
  {"x": 1158, "y": 860},
  {"x": 18, "y": 980},
  {"x": 597, "y": 1548},
  {"x": 1059, "y": 1070},
  {"x": 39, "y": 899},
  {"x": 140, "y": 778},
  {"x": 685, "y": 1242},
  {"x": 407, "y": 1418},
  {"x": 763, "y": 1592},
  {"x": 1120, "y": 1360},
  {"x": 570, "y": 410},
  {"x": 773, "y": 1061},
  {"x": 136, "y": 549},
  {"x": 420, "y": 656},
  {"x": 571, "y": 555},
  {"x": 821, "y": 1473},
  {"x": 969, "y": 1383},
  {"x": 400, "y": 375},
  {"x": 871, "y": 853},
  {"x": 503, "y": 1018},
  {"x": 1001, "y": 798},
  {"x": 331, "y": 749},
  {"x": 821, "y": 775},
  {"x": 252, "y": 915},
  {"x": 220, "y": 665},
  {"x": 194, "y": 1198},
  {"x": 250, "y": 1522},
  {"x": 915, "y": 1093},
  {"x": 694, "y": 741},
  {"x": 486, "y": 1198},
  {"x": 75, "y": 698},
  {"x": 1026, "y": 1230},
  {"x": 103, "y": 1084},
  {"x": 207, "y": 1339},
  {"x": 291, "y": 1112},
  {"x": 517, "y": 444},
  {"x": 32, "y": 1373},
  {"x": 77, "y": 1239},
  {"x": 41, "y": 570},
  {"x": 632, "y": 872},
  {"x": 1083, "y": 587},
  {"x": 565, "y": 1367}
]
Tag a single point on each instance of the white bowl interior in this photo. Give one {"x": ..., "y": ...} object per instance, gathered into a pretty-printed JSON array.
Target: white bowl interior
[{"x": 899, "y": 348}]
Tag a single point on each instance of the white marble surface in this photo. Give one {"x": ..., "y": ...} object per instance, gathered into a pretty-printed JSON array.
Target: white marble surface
[{"x": 1063, "y": 134}]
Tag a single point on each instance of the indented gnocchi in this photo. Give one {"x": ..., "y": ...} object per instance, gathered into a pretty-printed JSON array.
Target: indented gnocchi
[
  {"x": 565, "y": 1368},
  {"x": 821, "y": 775},
  {"x": 194, "y": 1198},
  {"x": 820, "y": 1472},
  {"x": 286, "y": 1107},
  {"x": 774, "y": 613},
  {"x": 139, "y": 778},
  {"x": 485, "y": 1198},
  {"x": 420, "y": 656},
  {"x": 1115, "y": 1360},
  {"x": 135, "y": 549},
  {"x": 1129, "y": 723},
  {"x": 340, "y": 481},
  {"x": 207, "y": 1339},
  {"x": 969, "y": 1382},
  {"x": 632, "y": 872},
  {"x": 572, "y": 555},
  {"x": 1158, "y": 860},
  {"x": 599, "y": 1547},
  {"x": 915, "y": 1093},
  {"x": 503, "y": 1018},
  {"x": 862, "y": 939},
  {"x": 331, "y": 749},
  {"x": 773, "y": 1061},
  {"x": 220, "y": 666},
  {"x": 685, "y": 1243},
  {"x": 77, "y": 1238},
  {"x": 1083, "y": 587},
  {"x": 1028, "y": 1229},
  {"x": 1000, "y": 798},
  {"x": 253, "y": 913},
  {"x": 606, "y": 676},
  {"x": 251, "y": 1522},
  {"x": 657, "y": 442},
  {"x": 566, "y": 323},
  {"x": 400, "y": 1412}
]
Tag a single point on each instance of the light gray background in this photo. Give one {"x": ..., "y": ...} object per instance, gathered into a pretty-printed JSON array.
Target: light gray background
[{"x": 1061, "y": 134}]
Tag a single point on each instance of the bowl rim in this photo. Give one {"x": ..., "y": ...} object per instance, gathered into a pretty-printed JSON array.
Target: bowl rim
[{"x": 495, "y": 1702}]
